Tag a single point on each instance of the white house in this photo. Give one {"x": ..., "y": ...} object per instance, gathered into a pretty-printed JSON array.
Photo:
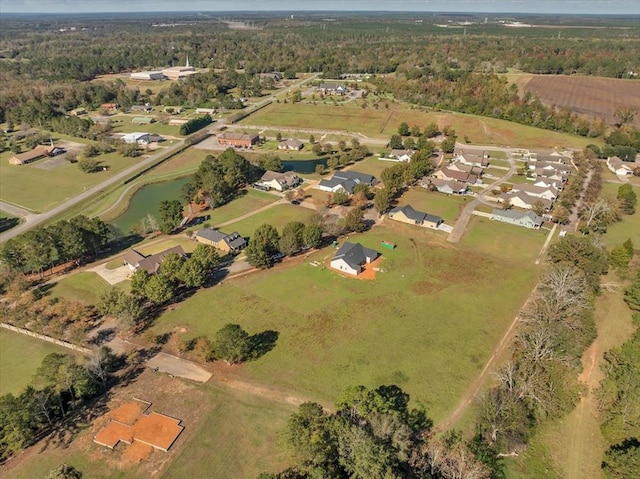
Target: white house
[
  {"x": 402, "y": 155},
  {"x": 137, "y": 138},
  {"x": 280, "y": 181},
  {"x": 291, "y": 144},
  {"x": 147, "y": 75},
  {"x": 448, "y": 187},
  {"x": 350, "y": 258},
  {"x": 548, "y": 193},
  {"x": 524, "y": 201},
  {"x": 209, "y": 111},
  {"x": 618, "y": 167},
  {"x": 471, "y": 157}
]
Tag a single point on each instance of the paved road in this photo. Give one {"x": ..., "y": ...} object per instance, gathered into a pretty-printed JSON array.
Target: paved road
[
  {"x": 465, "y": 216},
  {"x": 35, "y": 220}
]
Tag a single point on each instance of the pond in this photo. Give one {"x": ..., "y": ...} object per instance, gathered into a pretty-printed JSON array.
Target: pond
[
  {"x": 147, "y": 201},
  {"x": 303, "y": 166}
]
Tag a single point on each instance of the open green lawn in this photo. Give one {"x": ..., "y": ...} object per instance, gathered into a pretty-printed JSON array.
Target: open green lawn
[
  {"x": 383, "y": 123},
  {"x": 236, "y": 440},
  {"x": 446, "y": 206},
  {"x": 503, "y": 241},
  {"x": 277, "y": 216},
  {"x": 123, "y": 124},
  {"x": 82, "y": 286},
  {"x": 247, "y": 202},
  {"x": 427, "y": 323},
  {"x": 41, "y": 189},
  {"x": 20, "y": 356},
  {"x": 372, "y": 166},
  {"x": 628, "y": 227}
]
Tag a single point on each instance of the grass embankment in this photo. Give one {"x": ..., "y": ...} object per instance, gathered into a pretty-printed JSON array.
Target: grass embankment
[
  {"x": 428, "y": 323},
  {"x": 20, "y": 356}
]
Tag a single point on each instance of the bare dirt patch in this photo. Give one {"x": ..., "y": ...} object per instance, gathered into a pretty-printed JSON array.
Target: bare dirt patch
[{"x": 592, "y": 97}]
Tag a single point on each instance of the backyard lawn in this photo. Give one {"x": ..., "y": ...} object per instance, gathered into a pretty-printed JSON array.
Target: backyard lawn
[
  {"x": 249, "y": 200},
  {"x": 277, "y": 216},
  {"x": 628, "y": 227},
  {"x": 427, "y": 323},
  {"x": 448, "y": 207},
  {"x": 81, "y": 286},
  {"x": 20, "y": 356}
]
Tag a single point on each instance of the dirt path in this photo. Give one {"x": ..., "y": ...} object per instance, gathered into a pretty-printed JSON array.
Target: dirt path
[{"x": 579, "y": 432}]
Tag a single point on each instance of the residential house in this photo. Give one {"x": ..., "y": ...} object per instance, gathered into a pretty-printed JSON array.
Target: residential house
[
  {"x": 402, "y": 155},
  {"x": 455, "y": 175},
  {"x": 152, "y": 263},
  {"x": 345, "y": 181},
  {"x": 554, "y": 157},
  {"x": 550, "y": 175},
  {"x": 38, "y": 152},
  {"x": 208, "y": 111},
  {"x": 406, "y": 214},
  {"x": 448, "y": 187},
  {"x": 242, "y": 140},
  {"x": 109, "y": 106},
  {"x": 618, "y": 167},
  {"x": 557, "y": 168},
  {"x": 471, "y": 157},
  {"x": 145, "y": 108},
  {"x": 518, "y": 218},
  {"x": 545, "y": 182},
  {"x": 280, "y": 181},
  {"x": 548, "y": 193},
  {"x": 332, "y": 89},
  {"x": 291, "y": 144},
  {"x": 229, "y": 243},
  {"x": 275, "y": 76},
  {"x": 351, "y": 256},
  {"x": 523, "y": 200},
  {"x": 137, "y": 137}
]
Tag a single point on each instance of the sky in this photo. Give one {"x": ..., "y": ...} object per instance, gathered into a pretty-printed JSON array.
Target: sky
[{"x": 485, "y": 6}]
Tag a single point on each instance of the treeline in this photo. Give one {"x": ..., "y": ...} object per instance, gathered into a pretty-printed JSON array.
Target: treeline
[
  {"x": 540, "y": 380},
  {"x": 60, "y": 385},
  {"x": 195, "y": 124},
  {"x": 311, "y": 46},
  {"x": 74, "y": 241},
  {"x": 374, "y": 434},
  {"x": 266, "y": 244},
  {"x": 486, "y": 95},
  {"x": 618, "y": 398},
  {"x": 218, "y": 179},
  {"x": 177, "y": 275}
]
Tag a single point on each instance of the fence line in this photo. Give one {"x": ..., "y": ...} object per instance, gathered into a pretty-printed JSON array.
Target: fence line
[{"x": 43, "y": 337}]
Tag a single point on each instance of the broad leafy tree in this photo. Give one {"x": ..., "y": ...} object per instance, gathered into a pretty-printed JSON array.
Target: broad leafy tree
[
  {"x": 171, "y": 214},
  {"x": 262, "y": 246}
]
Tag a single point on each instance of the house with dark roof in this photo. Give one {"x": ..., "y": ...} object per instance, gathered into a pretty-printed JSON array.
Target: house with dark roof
[
  {"x": 351, "y": 256},
  {"x": 152, "y": 263},
  {"x": 406, "y": 214},
  {"x": 518, "y": 218},
  {"x": 345, "y": 181},
  {"x": 229, "y": 243}
]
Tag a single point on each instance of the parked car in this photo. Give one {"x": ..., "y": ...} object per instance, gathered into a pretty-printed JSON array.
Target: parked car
[{"x": 295, "y": 202}]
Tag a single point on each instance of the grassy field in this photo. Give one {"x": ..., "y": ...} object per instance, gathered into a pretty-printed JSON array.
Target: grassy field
[
  {"x": 250, "y": 201},
  {"x": 628, "y": 227},
  {"x": 372, "y": 166},
  {"x": 445, "y": 206},
  {"x": 237, "y": 439},
  {"x": 82, "y": 286},
  {"x": 41, "y": 189},
  {"x": 383, "y": 123},
  {"x": 277, "y": 216},
  {"x": 501, "y": 240},
  {"x": 20, "y": 356},
  {"x": 428, "y": 323},
  {"x": 123, "y": 124}
]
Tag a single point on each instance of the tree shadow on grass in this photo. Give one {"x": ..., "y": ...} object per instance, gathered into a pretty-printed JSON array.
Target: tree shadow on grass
[{"x": 262, "y": 343}]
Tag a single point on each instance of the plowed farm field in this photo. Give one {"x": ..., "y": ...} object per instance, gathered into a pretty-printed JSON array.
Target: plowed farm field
[{"x": 593, "y": 97}]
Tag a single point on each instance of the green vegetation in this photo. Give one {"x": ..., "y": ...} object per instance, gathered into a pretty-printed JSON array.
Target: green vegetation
[
  {"x": 21, "y": 356},
  {"x": 447, "y": 207},
  {"x": 81, "y": 286},
  {"x": 277, "y": 216},
  {"x": 246, "y": 202},
  {"x": 340, "y": 321}
]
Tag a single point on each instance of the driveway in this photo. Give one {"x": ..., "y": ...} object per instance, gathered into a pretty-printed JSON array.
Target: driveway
[
  {"x": 175, "y": 366},
  {"x": 112, "y": 276}
]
